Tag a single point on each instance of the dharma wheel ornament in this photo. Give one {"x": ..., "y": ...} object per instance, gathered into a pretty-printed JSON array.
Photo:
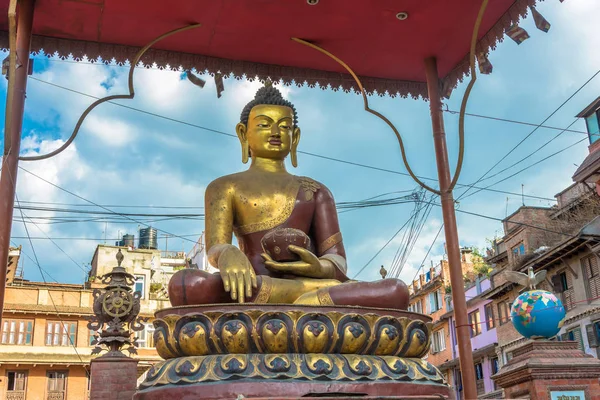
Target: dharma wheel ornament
[{"x": 116, "y": 308}]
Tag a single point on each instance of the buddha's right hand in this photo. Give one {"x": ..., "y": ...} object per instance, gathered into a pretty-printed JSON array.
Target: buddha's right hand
[{"x": 237, "y": 273}]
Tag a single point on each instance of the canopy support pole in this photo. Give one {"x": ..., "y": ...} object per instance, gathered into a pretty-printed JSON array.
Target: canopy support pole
[
  {"x": 15, "y": 107},
  {"x": 463, "y": 329}
]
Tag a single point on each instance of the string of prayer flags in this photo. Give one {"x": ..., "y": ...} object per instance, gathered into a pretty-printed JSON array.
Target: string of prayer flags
[
  {"x": 219, "y": 84},
  {"x": 194, "y": 79},
  {"x": 446, "y": 89},
  {"x": 518, "y": 34},
  {"x": 485, "y": 66},
  {"x": 540, "y": 22}
]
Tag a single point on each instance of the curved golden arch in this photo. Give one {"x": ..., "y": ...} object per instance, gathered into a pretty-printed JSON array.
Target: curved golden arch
[
  {"x": 131, "y": 94},
  {"x": 461, "y": 121},
  {"x": 370, "y": 110}
]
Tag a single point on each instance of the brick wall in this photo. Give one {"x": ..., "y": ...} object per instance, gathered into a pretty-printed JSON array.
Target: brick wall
[
  {"x": 113, "y": 378},
  {"x": 445, "y": 355}
]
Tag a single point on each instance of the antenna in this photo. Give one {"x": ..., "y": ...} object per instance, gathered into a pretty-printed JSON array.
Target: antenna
[{"x": 523, "y": 193}]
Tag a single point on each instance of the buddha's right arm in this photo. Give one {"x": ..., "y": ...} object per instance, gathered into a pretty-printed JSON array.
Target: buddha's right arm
[
  {"x": 218, "y": 209},
  {"x": 234, "y": 267}
]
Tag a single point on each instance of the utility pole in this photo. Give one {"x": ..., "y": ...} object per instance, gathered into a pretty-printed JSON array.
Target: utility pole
[
  {"x": 13, "y": 125},
  {"x": 463, "y": 329}
]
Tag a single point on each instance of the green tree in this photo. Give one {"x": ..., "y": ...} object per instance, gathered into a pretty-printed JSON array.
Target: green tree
[{"x": 480, "y": 267}]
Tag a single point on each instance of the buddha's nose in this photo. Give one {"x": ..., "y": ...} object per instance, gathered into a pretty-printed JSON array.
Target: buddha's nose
[{"x": 275, "y": 130}]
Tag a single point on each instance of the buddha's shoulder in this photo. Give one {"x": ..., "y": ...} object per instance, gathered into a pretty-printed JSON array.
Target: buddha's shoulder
[
  {"x": 310, "y": 184},
  {"x": 225, "y": 183}
]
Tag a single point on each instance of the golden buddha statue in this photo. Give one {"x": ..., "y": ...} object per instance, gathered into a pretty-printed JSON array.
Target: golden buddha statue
[{"x": 265, "y": 201}]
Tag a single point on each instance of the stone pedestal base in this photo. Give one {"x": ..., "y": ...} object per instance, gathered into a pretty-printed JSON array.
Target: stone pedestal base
[
  {"x": 114, "y": 377},
  {"x": 289, "y": 352},
  {"x": 292, "y": 375},
  {"x": 542, "y": 367}
]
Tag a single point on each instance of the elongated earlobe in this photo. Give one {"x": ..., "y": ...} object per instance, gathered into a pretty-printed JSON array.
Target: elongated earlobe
[
  {"x": 294, "y": 147},
  {"x": 245, "y": 152},
  {"x": 240, "y": 129}
]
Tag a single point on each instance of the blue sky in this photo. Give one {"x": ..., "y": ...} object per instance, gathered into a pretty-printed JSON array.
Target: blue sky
[{"x": 130, "y": 158}]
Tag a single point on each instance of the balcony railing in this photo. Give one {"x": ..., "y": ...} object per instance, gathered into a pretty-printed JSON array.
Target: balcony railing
[
  {"x": 480, "y": 387},
  {"x": 15, "y": 395},
  {"x": 56, "y": 395}
]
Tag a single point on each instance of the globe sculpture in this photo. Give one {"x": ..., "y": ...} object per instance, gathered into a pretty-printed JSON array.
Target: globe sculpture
[{"x": 537, "y": 314}]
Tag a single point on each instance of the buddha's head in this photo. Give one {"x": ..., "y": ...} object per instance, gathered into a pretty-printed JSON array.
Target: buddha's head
[{"x": 268, "y": 127}]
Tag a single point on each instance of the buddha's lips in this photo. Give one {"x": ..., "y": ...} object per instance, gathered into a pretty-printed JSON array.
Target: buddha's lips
[{"x": 275, "y": 142}]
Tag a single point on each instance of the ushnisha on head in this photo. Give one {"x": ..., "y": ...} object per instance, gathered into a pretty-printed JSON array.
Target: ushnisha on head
[{"x": 268, "y": 127}]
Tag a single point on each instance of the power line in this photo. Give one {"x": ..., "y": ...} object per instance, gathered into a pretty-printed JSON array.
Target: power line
[
  {"x": 512, "y": 121},
  {"x": 62, "y": 322},
  {"x": 53, "y": 242},
  {"x": 112, "y": 205},
  {"x": 386, "y": 244},
  {"x": 91, "y": 239},
  {"x": 529, "y": 166},
  {"x": 446, "y": 110},
  {"x": 97, "y": 205},
  {"x": 75, "y": 211},
  {"x": 427, "y": 254},
  {"x": 535, "y": 151},
  {"x": 301, "y": 152},
  {"x": 530, "y": 133}
]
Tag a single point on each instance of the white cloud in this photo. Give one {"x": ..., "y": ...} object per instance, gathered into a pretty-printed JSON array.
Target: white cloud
[{"x": 111, "y": 132}]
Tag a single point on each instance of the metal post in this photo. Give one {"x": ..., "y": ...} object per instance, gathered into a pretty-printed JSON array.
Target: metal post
[
  {"x": 12, "y": 132},
  {"x": 463, "y": 330}
]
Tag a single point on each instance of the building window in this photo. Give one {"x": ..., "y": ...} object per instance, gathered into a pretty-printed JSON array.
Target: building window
[
  {"x": 593, "y": 127},
  {"x": 416, "y": 307},
  {"x": 592, "y": 275},
  {"x": 495, "y": 368},
  {"x": 503, "y": 312},
  {"x": 17, "y": 382},
  {"x": 458, "y": 380},
  {"x": 57, "y": 384},
  {"x": 145, "y": 337},
  {"x": 16, "y": 331},
  {"x": 93, "y": 337},
  {"x": 140, "y": 283},
  {"x": 479, "y": 376},
  {"x": 475, "y": 322},
  {"x": 519, "y": 249},
  {"x": 563, "y": 284},
  {"x": 60, "y": 333},
  {"x": 438, "y": 341},
  {"x": 490, "y": 323},
  {"x": 434, "y": 301},
  {"x": 575, "y": 336}
]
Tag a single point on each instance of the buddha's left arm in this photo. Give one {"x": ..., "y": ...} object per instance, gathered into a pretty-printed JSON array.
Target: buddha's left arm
[{"x": 326, "y": 233}]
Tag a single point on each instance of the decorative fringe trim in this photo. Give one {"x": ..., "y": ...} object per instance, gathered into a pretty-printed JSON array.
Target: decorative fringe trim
[{"x": 176, "y": 61}]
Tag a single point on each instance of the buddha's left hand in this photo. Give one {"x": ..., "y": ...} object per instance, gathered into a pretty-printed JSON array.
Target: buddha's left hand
[{"x": 309, "y": 265}]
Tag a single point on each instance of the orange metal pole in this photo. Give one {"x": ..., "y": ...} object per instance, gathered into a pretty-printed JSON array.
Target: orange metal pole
[
  {"x": 10, "y": 159},
  {"x": 463, "y": 330}
]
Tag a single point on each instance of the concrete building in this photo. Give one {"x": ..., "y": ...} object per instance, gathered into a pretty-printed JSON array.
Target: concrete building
[
  {"x": 430, "y": 295},
  {"x": 197, "y": 256},
  {"x": 45, "y": 349},
  {"x": 589, "y": 170},
  {"x": 152, "y": 269},
  {"x": 483, "y": 341},
  {"x": 567, "y": 246}
]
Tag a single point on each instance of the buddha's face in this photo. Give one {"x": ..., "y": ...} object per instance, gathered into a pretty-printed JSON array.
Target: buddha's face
[{"x": 270, "y": 131}]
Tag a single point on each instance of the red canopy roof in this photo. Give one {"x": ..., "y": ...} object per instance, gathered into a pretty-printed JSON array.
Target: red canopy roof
[{"x": 252, "y": 37}]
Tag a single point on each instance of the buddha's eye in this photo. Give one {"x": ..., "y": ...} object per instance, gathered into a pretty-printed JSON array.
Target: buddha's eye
[
  {"x": 263, "y": 125},
  {"x": 284, "y": 127}
]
